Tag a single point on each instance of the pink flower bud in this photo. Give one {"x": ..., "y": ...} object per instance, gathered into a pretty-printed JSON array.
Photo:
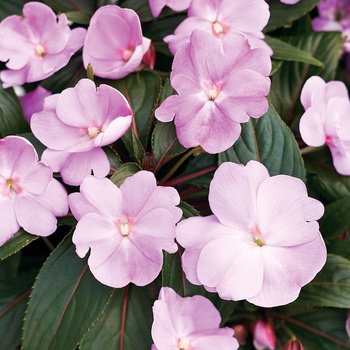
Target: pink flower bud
[
  {"x": 149, "y": 58},
  {"x": 240, "y": 333},
  {"x": 264, "y": 335},
  {"x": 294, "y": 344}
]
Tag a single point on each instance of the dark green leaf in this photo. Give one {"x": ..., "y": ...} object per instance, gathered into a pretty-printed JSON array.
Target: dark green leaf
[
  {"x": 78, "y": 17},
  {"x": 269, "y": 141},
  {"x": 65, "y": 302},
  {"x": 19, "y": 240},
  {"x": 319, "y": 329},
  {"x": 288, "y": 81},
  {"x": 340, "y": 247},
  {"x": 13, "y": 7},
  {"x": 276, "y": 65},
  {"x": 9, "y": 267},
  {"x": 287, "y": 52},
  {"x": 87, "y": 6},
  {"x": 331, "y": 287},
  {"x": 11, "y": 115},
  {"x": 124, "y": 171},
  {"x": 187, "y": 210},
  {"x": 336, "y": 219},
  {"x": 66, "y": 77},
  {"x": 139, "y": 151},
  {"x": 281, "y": 14},
  {"x": 113, "y": 157},
  {"x": 165, "y": 144},
  {"x": 142, "y": 90},
  {"x": 14, "y": 295},
  {"x": 172, "y": 274},
  {"x": 141, "y": 7},
  {"x": 323, "y": 179},
  {"x": 115, "y": 331}
]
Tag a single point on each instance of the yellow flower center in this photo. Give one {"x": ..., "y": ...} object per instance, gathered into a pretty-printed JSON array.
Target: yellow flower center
[
  {"x": 217, "y": 27},
  {"x": 183, "y": 344}
]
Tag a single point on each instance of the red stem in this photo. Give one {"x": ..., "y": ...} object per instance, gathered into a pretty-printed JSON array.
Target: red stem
[
  {"x": 15, "y": 302},
  {"x": 122, "y": 328}
]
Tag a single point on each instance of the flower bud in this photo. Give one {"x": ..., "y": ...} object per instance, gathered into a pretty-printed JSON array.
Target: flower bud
[
  {"x": 294, "y": 344},
  {"x": 149, "y": 58},
  {"x": 264, "y": 336},
  {"x": 240, "y": 333}
]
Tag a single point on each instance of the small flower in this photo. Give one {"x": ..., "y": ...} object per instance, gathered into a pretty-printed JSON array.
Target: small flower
[
  {"x": 334, "y": 15},
  {"x": 27, "y": 191},
  {"x": 126, "y": 228},
  {"x": 188, "y": 324},
  {"x": 33, "y": 48},
  {"x": 221, "y": 18},
  {"x": 75, "y": 124},
  {"x": 327, "y": 119},
  {"x": 262, "y": 243},
  {"x": 264, "y": 336},
  {"x": 156, "y": 6},
  {"x": 114, "y": 44},
  {"x": 33, "y": 102},
  {"x": 220, "y": 84}
]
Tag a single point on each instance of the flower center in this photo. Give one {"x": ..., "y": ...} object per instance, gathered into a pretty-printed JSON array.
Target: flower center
[
  {"x": 183, "y": 344},
  {"x": 217, "y": 28},
  {"x": 124, "y": 225},
  {"x": 11, "y": 188},
  {"x": 40, "y": 50},
  {"x": 259, "y": 242},
  {"x": 93, "y": 131},
  {"x": 212, "y": 93}
]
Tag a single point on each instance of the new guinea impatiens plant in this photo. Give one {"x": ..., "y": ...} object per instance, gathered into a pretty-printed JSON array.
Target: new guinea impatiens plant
[{"x": 174, "y": 175}]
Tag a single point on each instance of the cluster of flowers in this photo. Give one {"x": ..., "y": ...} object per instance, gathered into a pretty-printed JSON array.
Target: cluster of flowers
[{"x": 220, "y": 73}]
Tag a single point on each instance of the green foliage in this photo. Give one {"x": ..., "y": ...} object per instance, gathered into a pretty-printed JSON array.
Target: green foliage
[
  {"x": 331, "y": 287},
  {"x": 11, "y": 115},
  {"x": 126, "y": 324},
  {"x": 269, "y": 141},
  {"x": 65, "y": 295}
]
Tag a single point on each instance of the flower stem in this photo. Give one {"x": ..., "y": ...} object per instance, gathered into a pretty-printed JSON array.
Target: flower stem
[
  {"x": 194, "y": 151},
  {"x": 48, "y": 243},
  {"x": 309, "y": 149}
]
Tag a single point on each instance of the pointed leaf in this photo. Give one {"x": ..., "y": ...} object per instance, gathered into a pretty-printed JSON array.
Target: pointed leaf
[
  {"x": 269, "y": 141},
  {"x": 15, "y": 244},
  {"x": 142, "y": 90},
  {"x": 165, "y": 144},
  {"x": 11, "y": 115},
  {"x": 65, "y": 302},
  {"x": 319, "y": 329},
  {"x": 125, "y": 324},
  {"x": 287, "y": 52},
  {"x": 14, "y": 295},
  {"x": 281, "y": 14},
  {"x": 172, "y": 274},
  {"x": 288, "y": 81},
  {"x": 87, "y": 6},
  {"x": 124, "y": 171}
]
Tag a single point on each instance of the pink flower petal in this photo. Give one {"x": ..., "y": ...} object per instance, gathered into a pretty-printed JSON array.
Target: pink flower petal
[
  {"x": 236, "y": 206},
  {"x": 28, "y": 209},
  {"x": 8, "y": 219},
  {"x": 283, "y": 209},
  {"x": 286, "y": 270},
  {"x": 104, "y": 195},
  {"x": 312, "y": 128},
  {"x": 236, "y": 267}
]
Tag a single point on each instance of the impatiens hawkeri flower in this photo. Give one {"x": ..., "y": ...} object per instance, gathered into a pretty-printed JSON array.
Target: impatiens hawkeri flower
[
  {"x": 264, "y": 336},
  {"x": 36, "y": 45},
  {"x": 222, "y": 17},
  {"x": 220, "y": 84},
  {"x": 75, "y": 124},
  {"x": 126, "y": 228},
  {"x": 190, "y": 323},
  {"x": 262, "y": 243},
  {"x": 33, "y": 102},
  {"x": 29, "y": 196},
  {"x": 334, "y": 15},
  {"x": 114, "y": 44},
  {"x": 156, "y": 6},
  {"x": 327, "y": 119}
]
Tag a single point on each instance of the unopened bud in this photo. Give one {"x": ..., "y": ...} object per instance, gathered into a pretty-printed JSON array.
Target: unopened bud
[
  {"x": 149, "y": 58},
  {"x": 240, "y": 333},
  {"x": 264, "y": 336},
  {"x": 294, "y": 344}
]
